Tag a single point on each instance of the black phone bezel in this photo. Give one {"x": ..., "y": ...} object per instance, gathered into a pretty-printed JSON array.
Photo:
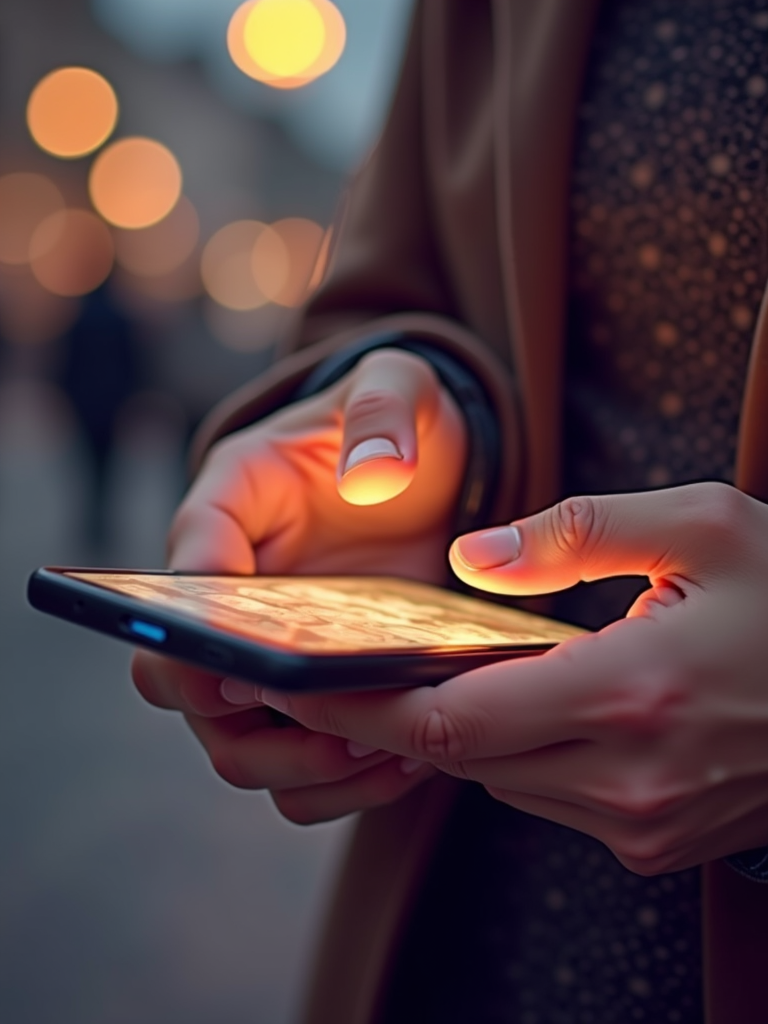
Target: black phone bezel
[{"x": 106, "y": 611}]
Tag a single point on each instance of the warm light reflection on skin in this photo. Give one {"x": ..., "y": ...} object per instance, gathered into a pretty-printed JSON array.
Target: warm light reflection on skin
[
  {"x": 71, "y": 252},
  {"x": 334, "y": 40},
  {"x": 25, "y": 201},
  {"x": 375, "y": 481},
  {"x": 225, "y": 266},
  {"x": 135, "y": 182},
  {"x": 284, "y": 259},
  {"x": 162, "y": 247},
  {"x": 71, "y": 112}
]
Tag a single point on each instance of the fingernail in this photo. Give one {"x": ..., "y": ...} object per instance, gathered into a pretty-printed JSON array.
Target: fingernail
[
  {"x": 274, "y": 699},
  {"x": 359, "y": 749},
  {"x": 234, "y": 691},
  {"x": 375, "y": 448},
  {"x": 408, "y": 765},
  {"x": 489, "y": 548}
]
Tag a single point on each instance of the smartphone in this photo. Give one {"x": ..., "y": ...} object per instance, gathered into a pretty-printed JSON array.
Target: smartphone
[{"x": 300, "y": 633}]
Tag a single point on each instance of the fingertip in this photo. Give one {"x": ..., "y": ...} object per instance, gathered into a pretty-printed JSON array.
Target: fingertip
[
  {"x": 373, "y": 480},
  {"x": 208, "y": 540},
  {"x": 494, "y": 581}
]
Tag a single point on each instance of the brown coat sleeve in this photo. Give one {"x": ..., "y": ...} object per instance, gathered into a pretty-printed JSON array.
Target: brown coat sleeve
[{"x": 387, "y": 273}]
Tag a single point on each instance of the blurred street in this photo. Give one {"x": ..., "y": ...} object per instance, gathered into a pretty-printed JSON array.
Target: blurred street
[{"x": 136, "y": 886}]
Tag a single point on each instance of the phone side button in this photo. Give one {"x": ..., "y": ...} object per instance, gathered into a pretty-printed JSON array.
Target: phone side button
[
  {"x": 144, "y": 630},
  {"x": 218, "y": 656}
]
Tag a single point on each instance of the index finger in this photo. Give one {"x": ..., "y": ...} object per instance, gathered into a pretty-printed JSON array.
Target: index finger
[
  {"x": 177, "y": 686},
  {"x": 236, "y": 499},
  {"x": 506, "y": 708}
]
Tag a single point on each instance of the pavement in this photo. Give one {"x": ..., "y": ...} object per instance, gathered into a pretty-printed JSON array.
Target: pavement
[{"x": 135, "y": 885}]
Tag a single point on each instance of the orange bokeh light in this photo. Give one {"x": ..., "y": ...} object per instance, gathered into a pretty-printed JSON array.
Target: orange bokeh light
[
  {"x": 71, "y": 112},
  {"x": 25, "y": 201},
  {"x": 245, "y": 58},
  {"x": 225, "y": 266},
  {"x": 135, "y": 183},
  {"x": 284, "y": 259},
  {"x": 71, "y": 252},
  {"x": 162, "y": 247}
]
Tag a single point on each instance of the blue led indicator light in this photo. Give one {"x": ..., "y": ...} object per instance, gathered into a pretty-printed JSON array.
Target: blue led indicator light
[{"x": 148, "y": 631}]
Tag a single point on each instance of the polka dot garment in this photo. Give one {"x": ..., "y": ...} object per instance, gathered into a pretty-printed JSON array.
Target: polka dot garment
[
  {"x": 522, "y": 921},
  {"x": 669, "y": 253}
]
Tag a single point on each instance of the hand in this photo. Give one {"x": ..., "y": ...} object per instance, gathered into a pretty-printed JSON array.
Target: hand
[
  {"x": 362, "y": 478},
  {"x": 651, "y": 735}
]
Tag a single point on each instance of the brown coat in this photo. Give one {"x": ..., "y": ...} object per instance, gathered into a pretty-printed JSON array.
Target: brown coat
[{"x": 457, "y": 229}]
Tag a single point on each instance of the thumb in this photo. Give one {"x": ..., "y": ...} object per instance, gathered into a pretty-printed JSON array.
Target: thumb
[
  {"x": 687, "y": 532},
  {"x": 389, "y": 398}
]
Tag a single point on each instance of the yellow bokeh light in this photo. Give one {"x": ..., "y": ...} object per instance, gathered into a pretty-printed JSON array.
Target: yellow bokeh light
[
  {"x": 284, "y": 258},
  {"x": 284, "y": 36},
  {"x": 135, "y": 183},
  {"x": 71, "y": 252},
  {"x": 226, "y": 269},
  {"x": 162, "y": 247},
  {"x": 248, "y": 58},
  {"x": 71, "y": 112},
  {"x": 25, "y": 201}
]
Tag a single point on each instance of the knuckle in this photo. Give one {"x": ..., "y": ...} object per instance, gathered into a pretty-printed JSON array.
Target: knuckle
[
  {"x": 718, "y": 511},
  {"x": 577, "y": 525},
  {"x": 645, "y": 855},
  {"x": 396, "y": 357},
  {"x": 226, "y": 450},
  {"x": 641, "y": 800},
  {"x": 373, "y": 404},
  {"x": 440, "y": 736},
  {"x": 645, "y": 705}
]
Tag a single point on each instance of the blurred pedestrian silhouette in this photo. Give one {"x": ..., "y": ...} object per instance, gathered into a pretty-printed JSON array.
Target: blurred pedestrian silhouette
[{"x": 100, "y": 369}]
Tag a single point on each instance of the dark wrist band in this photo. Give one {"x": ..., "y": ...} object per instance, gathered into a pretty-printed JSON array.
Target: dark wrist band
[
  {"x": 483, "y": 436},
  {"x": 752, "y": 864}
]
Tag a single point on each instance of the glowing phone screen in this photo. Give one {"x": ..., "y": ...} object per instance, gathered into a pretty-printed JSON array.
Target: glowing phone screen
[{"x": 337, "y": 615}]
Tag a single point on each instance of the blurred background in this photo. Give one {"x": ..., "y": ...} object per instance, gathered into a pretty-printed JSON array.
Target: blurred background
[{"x": 169, "y": 172}]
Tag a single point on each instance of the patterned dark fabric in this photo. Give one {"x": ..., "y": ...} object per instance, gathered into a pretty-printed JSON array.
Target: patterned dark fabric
[{"x": 523, "y": 921}]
